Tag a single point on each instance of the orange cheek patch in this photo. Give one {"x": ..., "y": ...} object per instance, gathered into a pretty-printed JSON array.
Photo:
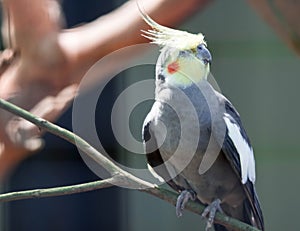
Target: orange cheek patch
[{"x": 173, "y": 67}]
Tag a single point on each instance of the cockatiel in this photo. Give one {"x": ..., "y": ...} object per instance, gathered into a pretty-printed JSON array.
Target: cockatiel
[{"x": 193, "y": 136}]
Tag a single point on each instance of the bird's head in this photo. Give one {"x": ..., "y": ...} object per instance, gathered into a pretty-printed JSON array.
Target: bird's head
[{"x": 184, "y": 57}]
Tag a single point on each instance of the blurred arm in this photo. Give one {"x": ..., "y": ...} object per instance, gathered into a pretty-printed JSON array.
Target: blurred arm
[{"x": 50, "y": 62}]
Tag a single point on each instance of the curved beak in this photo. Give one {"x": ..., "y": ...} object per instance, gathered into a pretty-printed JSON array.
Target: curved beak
[{"x": 204, "y": 54}]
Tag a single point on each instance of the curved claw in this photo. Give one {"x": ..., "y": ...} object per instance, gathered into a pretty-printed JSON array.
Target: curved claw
[
  {"x": 210, "y": 211},
  {"x": 182, "y": 199}
]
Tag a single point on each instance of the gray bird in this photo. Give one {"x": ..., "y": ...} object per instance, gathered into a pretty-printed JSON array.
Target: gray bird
[{"x": 193, "y": 136}]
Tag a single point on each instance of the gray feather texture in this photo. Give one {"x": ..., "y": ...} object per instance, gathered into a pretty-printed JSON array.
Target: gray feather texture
[{"x": 188, "y": 144}]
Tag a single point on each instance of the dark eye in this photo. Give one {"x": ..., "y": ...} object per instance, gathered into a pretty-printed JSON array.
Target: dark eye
[{"x": 200, "y": 47}]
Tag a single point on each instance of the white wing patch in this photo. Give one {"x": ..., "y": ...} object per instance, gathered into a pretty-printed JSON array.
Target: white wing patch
[{"x": 244, "y": 150}]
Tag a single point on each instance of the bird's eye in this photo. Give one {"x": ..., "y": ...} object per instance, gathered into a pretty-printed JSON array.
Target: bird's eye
[{"x": 200, "y": 47}]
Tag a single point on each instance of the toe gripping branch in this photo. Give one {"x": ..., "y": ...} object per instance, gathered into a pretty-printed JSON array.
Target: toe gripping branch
[
  {"x": 209, "y": 212},
  {"x": 182, "y": 199}
]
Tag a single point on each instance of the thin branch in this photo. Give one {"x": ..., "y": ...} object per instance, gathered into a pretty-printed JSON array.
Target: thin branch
[
  {"x": 57, "y": 191},
  {"x": 161, "y": 193},
  {"x": 119, "y": 176},
  {"x": 128, "y": 179},
  {"x": 198, "y": 208}
]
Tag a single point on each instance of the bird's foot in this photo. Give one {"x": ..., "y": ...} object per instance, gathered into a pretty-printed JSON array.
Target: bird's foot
[
  {"x": 182, "y": 199},
  {"x": 210, "y": 212}
]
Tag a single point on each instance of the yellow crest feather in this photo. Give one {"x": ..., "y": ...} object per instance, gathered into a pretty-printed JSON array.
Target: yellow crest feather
[{"x": 165, "y": 36}]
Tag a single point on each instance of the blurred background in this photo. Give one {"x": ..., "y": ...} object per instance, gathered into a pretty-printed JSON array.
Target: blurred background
[{"x": 253, "y": 67}]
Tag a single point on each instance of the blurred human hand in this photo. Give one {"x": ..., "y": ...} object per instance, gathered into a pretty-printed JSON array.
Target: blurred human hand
[{"x": 49, "y": 62}]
